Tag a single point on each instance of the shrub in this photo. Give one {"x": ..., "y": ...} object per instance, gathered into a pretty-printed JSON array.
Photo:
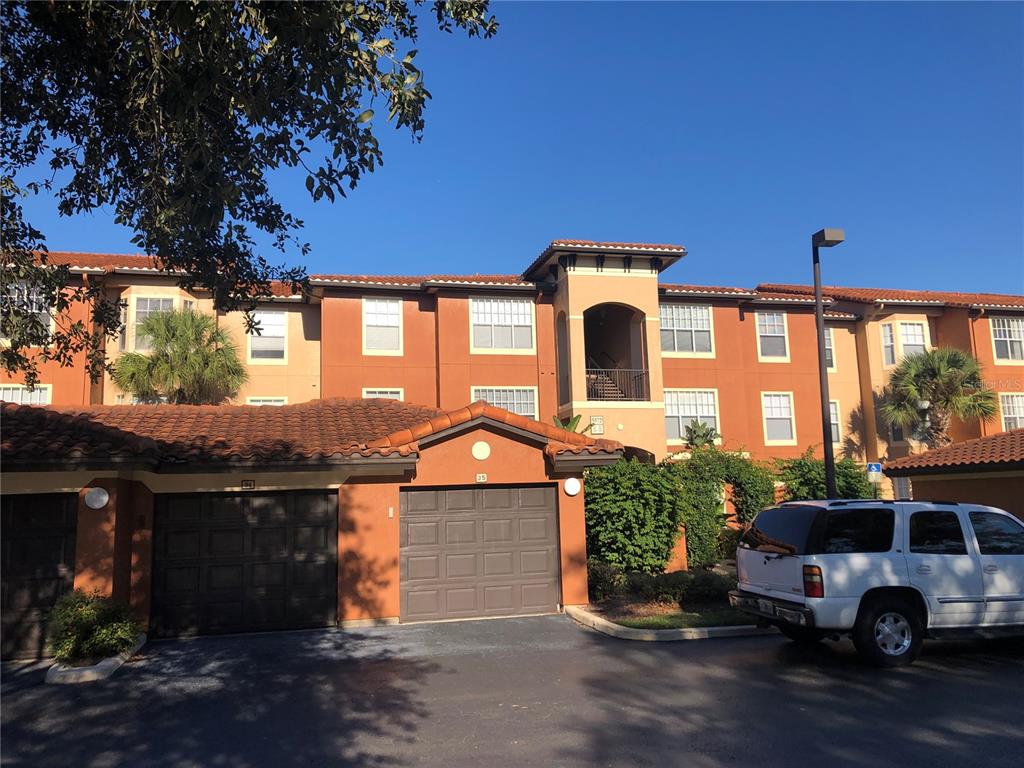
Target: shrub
[
  {"x": 603, "y": 580},
  {"x": 728, "y": 541},
  {"x": 805, "y": 478},
  {"x": 83, "y": 627},
  {"x": 753, "y": 486},
  {"x": 700, "y": 478},
  {"x": 684, "y": 587},
  {"x": 633, "y": 515},
  {"x": 706, "y": 588}
]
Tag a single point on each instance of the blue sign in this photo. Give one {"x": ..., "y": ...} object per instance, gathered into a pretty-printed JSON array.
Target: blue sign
[{"x": 875, "y": 468}]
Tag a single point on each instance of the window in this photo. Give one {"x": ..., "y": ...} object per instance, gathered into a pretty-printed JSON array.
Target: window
[
  {"x": 686, "y": 328},
  {"x": 777, "y": 408},
  {"x": 833, "y": 418},
  {"x": 782, "y": 530},
  {"x": 912, "y": 338},
  {"x": 1012, "y": 406},
  {"x": 830, "y": 357},
  {"x": 1008, "y": 337},
  {"x": 902, "y": 488},
  {"x": 18, "y": 393},
  {"x": 858, "y": 530},
  {"x": 271, "y": 341},
  {"x": 683, "y": 407},
  {"x": 521, "y": 400},
  {"x": 266, "y": 401},
  {"x": 188, "y": 305},
  {"x": 144, "y": 307},
  {"x": 888, "y": 345},
  {"x": 997, "y": 534},
  {"x": 383, "y": 394},
  {"x": 122, "y": 337},
  {"x": 501, "y": 324},
  {"x": 771, "y": 336},
  {"x": 382, "y": 326},
  {"x": 936, "y": 533},
  {"x": 896, "y": 434},
  {"x": 26, "y": 300}
]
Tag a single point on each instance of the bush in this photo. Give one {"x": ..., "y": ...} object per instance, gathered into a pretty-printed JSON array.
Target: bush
[
  {"x": 728, "y": 541},
  {"x": 753, "y": 486},
  {"x": 633, "y": 515},
  {"x": 84, "y": 627},
  {"x": 684, "y": 587},
  {"x": 805, "y": 478},
  {"x": 603, "y": 580}
]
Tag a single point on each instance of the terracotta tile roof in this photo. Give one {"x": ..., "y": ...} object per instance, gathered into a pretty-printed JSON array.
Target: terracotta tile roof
[
  {"x": 900, "y": 296},
  {"x": 706, "y": 290},
  {"x": 617, "y": 246},
  {"x": 1002, "y": 451},
  {"x": 319, "y": 432},
  {"x": 419, "y": 281}
]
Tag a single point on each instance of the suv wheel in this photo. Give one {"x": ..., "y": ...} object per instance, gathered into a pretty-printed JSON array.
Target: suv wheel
[
  {"x": 800, "y": 635},
  {"x": 888, "y": 632}
]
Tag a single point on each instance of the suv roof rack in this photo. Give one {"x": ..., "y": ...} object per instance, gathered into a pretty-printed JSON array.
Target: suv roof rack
[{"x": 846, "y": 502}]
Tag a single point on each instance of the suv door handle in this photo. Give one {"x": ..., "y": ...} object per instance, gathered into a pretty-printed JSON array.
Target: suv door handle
[
  {"x": 924, "y": 569},
  {"x": 991, "y": 568}
]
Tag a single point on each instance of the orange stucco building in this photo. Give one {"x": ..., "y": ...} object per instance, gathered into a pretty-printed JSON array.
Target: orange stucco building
[{"x": 592, "y": 329}]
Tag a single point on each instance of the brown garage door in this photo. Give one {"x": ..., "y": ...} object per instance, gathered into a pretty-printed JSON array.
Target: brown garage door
[
  {"x": 38, "y": 566},
  {"x": 244, "y": 562},
  {"x": 469, "y": 552}
]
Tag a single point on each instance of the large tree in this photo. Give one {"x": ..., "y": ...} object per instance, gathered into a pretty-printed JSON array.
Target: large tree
[
  {"x": 190, "y": 360},
  {"x": 926, "y": 390},
  {"x": 172, "y": 114}
]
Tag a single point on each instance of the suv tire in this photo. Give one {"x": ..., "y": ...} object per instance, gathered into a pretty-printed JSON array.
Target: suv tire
[
  {"x": 800, "y": 635},
  {"x": 889, "y": 632}
]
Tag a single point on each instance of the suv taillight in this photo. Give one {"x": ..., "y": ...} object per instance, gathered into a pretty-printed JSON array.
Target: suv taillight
[{"x": 814, "y": 585}]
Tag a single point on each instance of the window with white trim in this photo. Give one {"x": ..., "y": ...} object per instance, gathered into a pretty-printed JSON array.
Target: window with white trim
[
  {"x": 502, "y": 323},
  {"x": 771, "y": 334},
  {"x": 266, "y": 401},
  {"x": 685, "y": 328},
  {"x": 896, "y": 434},
  {"x": 888, "y": 345},
  {"x": 778, "y": 416},
  {"x": 1008, "y": 337},
  {"x": 269, "y": 343},
  {"x": 144, "y": 307},
  {"x": 912, "y": 339},
  {"x": 122, "y": 336},
  {"x": 682, "y": 408},
  {"x": 830, "y": 357},
  {"x": 521, "y": 400},
  {"x": 902, "y": 488},
  {"x": 1012, "y": 408},
  {"x": 382, "y": 325},
  {"x": 383, "y": 394},
  {"x": 19, "y": 393},
  {"x": 833, "y": 420},
  {"x": 27, "y": 300}
]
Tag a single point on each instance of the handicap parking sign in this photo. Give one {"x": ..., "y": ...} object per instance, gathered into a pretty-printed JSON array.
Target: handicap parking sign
[{"x": 875, "y": 468}]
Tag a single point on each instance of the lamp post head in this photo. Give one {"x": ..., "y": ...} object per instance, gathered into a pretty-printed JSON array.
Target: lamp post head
[{"x": 826, "y": 238}]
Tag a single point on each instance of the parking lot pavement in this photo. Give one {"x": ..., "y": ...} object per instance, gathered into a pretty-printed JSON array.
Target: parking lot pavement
[{"x": 518, "y": 692}]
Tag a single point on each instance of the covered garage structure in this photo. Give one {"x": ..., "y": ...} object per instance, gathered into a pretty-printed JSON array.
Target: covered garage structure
[
  {"x": 209, "y": 519},
  {"x": 987, "y": 470}
]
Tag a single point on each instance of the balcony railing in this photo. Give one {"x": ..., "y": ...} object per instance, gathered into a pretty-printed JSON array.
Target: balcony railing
[{"x": 618, "y": 384}]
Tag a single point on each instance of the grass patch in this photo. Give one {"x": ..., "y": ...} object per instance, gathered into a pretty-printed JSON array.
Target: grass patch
[{"x": 714, "y": 616}]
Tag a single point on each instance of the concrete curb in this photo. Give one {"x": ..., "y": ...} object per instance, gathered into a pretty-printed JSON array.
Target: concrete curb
[
  {"x": 592, "y": 620},
  {"x": 62, "y": 673}
]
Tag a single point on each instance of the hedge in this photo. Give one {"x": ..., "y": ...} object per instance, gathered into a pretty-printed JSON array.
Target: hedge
[{"x": 805, "y": 478}]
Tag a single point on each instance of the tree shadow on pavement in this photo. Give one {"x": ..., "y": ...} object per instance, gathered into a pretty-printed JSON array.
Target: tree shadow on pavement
[
  {"x": 769, "y": 702},
  {"x": 311, "y": 698}
]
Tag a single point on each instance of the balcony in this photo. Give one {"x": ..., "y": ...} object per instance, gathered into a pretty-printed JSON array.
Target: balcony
[{"x": 628, "y": 384}]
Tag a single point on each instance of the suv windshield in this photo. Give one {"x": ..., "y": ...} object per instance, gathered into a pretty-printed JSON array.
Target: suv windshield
[{"x": 783, "y": 530}]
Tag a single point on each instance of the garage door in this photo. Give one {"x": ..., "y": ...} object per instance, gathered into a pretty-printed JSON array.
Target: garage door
[
  {"x": 38, "y": 566},
  {"x": 244, "y": 562},
  {"x": 468, "y": 552}
]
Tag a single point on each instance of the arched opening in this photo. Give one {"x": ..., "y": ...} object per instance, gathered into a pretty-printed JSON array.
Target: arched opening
[
  {"x": 615, "y": 338},
  {"x": 562, "y": 351}
]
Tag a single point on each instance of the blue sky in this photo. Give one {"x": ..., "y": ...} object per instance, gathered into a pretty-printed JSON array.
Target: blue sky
[{"x": 734, "y": 129}]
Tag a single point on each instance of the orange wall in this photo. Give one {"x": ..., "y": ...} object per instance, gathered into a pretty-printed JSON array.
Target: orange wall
[
  {"x": 740, "y": 378},
  {"x": 996, "y": 491},
  {"x": 1001, "y": 377},
  {"x": 368, "y": 547}
]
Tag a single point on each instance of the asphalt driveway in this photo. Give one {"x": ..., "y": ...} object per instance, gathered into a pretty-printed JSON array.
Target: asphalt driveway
[{"x": 532, "y": 691}]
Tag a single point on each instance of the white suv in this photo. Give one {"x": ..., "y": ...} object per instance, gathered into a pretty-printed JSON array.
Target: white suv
[{"x": 887, "y": 573}]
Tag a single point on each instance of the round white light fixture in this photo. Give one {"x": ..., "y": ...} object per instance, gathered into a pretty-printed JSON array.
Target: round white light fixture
[
  {"x": 481, "y": 450},
  {"x": 96, "y": 498},
  {"x": 573, "y": 486}
]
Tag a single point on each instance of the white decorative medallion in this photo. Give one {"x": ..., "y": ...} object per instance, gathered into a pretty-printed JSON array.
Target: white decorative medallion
[{"x": 481, "y": 450}]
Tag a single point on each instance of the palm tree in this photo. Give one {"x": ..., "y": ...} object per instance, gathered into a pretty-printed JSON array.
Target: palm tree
[
  {"x": 191, "y": 361},
  {"x": 926, "y": 390}
]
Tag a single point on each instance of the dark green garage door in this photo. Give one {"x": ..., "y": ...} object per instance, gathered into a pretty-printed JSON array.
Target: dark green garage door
[
  {"x": 37, "y": 533},
  {"x": 472, "y": 552},
  {"x": 244, "y": 562}
]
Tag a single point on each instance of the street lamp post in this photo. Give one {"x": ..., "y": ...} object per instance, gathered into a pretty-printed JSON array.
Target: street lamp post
[{"x": 824, "y": 238}]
